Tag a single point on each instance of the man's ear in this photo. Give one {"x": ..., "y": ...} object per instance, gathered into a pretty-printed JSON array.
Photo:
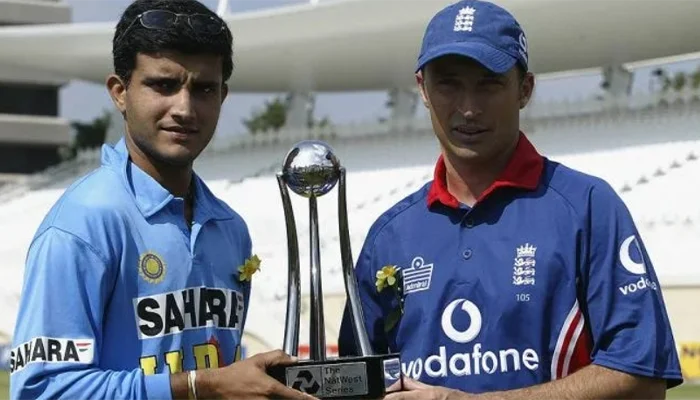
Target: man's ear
[
  {"x": 117, "y": 91},
  {"x": 527, "y": 87},
  {"x": 420, "y": 81}
]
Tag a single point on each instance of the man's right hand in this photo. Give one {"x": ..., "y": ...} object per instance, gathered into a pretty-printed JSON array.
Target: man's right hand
[{"x": 247, "y": 379}]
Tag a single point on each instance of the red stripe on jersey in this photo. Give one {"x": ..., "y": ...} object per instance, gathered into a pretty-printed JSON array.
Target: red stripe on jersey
[
  {"x": 562, "y": 345},
  {"x": 567, "y": 345},
  {"x": 581, "y": 355}
]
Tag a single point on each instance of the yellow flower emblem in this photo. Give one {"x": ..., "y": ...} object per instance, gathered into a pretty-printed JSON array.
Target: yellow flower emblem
[
  {"x": 389, "y": 276},
  {"x": 250, "y": 267},
  {"x": 386, "y": 277}
]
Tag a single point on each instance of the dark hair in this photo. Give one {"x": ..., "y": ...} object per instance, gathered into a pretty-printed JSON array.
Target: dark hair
[{"x": 181, "y": 37}]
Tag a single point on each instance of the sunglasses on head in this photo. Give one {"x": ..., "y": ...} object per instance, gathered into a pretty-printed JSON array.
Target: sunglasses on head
[{"x": 163, "y": 19}]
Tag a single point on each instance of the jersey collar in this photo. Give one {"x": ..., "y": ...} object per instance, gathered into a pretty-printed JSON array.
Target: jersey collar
[
  {"x": 150, "y": 197},
  {"x": 523, "y": 171}
]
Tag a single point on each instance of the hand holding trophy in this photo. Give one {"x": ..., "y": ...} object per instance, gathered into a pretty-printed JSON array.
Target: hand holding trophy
[{"x": 311, "y": 169}]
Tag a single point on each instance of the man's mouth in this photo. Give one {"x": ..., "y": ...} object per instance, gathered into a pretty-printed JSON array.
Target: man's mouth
[
  {"x": 469, "y": 129},
  {"x": 181, "y": 130}
]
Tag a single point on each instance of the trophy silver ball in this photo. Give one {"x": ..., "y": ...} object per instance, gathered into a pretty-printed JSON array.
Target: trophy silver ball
[{"x": 311, "y": 168}]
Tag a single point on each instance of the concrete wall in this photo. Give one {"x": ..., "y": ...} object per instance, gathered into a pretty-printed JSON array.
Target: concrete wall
[
  {"x": 14, "y": 12},
  {"x": 30, "y": 129}
]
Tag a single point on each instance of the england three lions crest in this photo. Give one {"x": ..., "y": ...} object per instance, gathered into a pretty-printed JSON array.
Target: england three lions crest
[
  {"x": 524, "y": 266},
  {"x": 418, "y": 276}
]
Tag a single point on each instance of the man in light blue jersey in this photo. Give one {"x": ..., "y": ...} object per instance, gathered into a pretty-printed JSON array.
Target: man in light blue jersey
[{"x": 132, "y": 286}]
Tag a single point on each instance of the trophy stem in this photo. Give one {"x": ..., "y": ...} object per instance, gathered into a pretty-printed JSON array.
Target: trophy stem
[
  {"x": 312, "y": 170},
  {"x": 361, "y": 338},
  {"x": 291, "y": 327},
  {"x": 317, "y": 335}
]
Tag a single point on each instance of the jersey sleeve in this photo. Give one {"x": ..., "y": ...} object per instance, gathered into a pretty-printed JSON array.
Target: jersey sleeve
[
  {"x": 56, "y": 345},
  {"x": 629, "y": 324},
  {"x": 373, "y": 317}
]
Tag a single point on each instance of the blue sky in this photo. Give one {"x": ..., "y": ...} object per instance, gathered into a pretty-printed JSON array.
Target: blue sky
[{"x": 84, "y": 101}]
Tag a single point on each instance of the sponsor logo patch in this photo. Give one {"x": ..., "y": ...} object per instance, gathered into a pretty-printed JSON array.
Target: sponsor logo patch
[
  {"x": 51, "y": 350},
  {"x": 475, "y": 360},
  {"x": 169, "y": 313}
]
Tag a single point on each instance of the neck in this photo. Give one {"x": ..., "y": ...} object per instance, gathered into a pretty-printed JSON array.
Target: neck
[
  {"x": 174, "y": 179},
  {"x": 468, "y": 180}
]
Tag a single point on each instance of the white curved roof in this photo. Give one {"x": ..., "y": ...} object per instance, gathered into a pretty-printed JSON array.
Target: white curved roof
[{"x": 373, "y": 44}]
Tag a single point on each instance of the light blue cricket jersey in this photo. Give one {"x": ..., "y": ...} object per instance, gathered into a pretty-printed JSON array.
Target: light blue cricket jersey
[{"x": 118, "y": 292}]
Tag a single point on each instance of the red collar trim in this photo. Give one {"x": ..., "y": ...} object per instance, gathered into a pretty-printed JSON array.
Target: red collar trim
[{"x": 524, "y": 170}]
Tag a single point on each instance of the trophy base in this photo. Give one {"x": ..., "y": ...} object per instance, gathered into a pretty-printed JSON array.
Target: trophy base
[{"x": 362, "y": 377}]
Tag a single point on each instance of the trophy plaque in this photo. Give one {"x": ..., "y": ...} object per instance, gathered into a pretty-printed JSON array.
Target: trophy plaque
[{"x": 311, "y": 169}]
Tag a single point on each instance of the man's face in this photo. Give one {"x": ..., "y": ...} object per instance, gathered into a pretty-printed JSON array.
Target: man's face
[
  {"x": 172, "y": 105},
  {"x": 474, "y": 112}
]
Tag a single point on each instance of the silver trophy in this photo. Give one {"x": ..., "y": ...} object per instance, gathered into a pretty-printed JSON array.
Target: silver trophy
[{"x": 311, "y": 169}]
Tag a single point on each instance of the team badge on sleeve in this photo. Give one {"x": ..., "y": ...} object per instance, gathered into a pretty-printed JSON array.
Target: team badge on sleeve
[{"x": 51, "y": 350}]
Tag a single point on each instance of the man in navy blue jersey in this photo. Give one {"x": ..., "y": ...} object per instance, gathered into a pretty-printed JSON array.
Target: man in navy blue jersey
[{"x": 509, "y": 275}]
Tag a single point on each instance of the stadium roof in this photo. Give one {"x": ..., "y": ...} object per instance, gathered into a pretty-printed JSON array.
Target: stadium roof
[{"x": 367, "y": 45}]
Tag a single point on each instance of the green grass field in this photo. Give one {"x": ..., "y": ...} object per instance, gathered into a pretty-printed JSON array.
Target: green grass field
[
  {"x": 685, "y": 392},
  {"x": 4, "y": 385}
]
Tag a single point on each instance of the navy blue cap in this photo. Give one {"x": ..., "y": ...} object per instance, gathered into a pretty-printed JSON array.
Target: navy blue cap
[{"x": 476, "y": 29}]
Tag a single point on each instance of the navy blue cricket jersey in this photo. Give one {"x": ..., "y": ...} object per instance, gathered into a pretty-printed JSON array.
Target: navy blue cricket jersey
[{"x": 544, "y": 275}]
